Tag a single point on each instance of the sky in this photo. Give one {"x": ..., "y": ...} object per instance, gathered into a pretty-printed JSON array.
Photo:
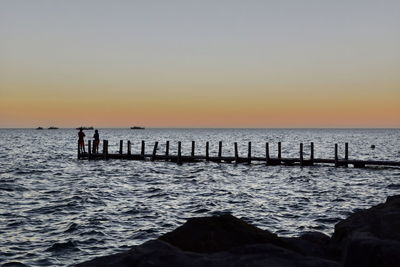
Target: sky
[{"x": 310, "y": 63}]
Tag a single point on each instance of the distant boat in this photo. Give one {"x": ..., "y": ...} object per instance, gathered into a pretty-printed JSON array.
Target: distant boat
[
  {"x": 85, "y": 128},
  {"x": 137, "y": 128},
  {"x": 39, "y": 128},
  {"x": 53, "y": 128}
]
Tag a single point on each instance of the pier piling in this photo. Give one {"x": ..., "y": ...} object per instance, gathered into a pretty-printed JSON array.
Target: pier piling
[
  {"x": 249, "y": 153},
  {"x": 153, "y": 156},
  {"x": 236, "y": 152},
  {"x": 301, "y": 155},
  {"x": 167, "y": 148},
  {"x": 279, "y": 151},
  {"x": 220, "y": 149},
  {"x": 336, "y": 156},
  {"x": 207, "y": 151},
  {"x": 105, "y": 149},
  {"x": 129, "y": 148},
  {"x": 312, "y": 153},
  {"x": 266, "y": 153},
  {"x": 179, "y": 153},
  {"x": 143, "y": 149}
]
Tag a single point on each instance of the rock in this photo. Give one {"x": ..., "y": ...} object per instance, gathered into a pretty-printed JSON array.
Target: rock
[
  {"x": 369, "y": 237},
  {"x": 310, "y": 244},
  {"x": 215, "y": 241},
  {"x": 162, "y": 254},
  {"x": 365, "y": 250},
  {"x": 271, "y": 255},
  {"x": 382, "y": 221},
  {"x": 151, "y": 253},
  {"x": 218, "y": 233}
]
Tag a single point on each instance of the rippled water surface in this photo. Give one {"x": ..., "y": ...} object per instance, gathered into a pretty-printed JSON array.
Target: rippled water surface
[{"x": 56, "y": 210}]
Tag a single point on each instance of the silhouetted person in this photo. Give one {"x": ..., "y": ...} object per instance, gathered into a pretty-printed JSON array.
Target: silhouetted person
[
  {"x": 81, "y": 141},
  {"x": 96, "y": 141}
]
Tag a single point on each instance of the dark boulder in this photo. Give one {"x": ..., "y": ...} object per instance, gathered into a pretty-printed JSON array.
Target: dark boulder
[
  {"x": 368, "y": 251},
  {"x": 310, "y": 244},
  {"x": 381, "y": 221},
  {"x": 151, "y": 253},
  {"x": 369, "y": 237},
  {"x": 218, "y": 233},
  {"x": 162, "y": 254},
  {"x": 215, "y": 241}
]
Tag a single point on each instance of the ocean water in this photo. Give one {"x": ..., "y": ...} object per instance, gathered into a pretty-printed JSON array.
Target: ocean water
[{"x": 56, "y": 210}]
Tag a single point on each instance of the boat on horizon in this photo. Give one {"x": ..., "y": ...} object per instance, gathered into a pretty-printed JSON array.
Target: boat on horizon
[
  {"x": 39, "y": 128},
  {"x": 137, "y": 128},
  {"x": 53, "y": 128}
]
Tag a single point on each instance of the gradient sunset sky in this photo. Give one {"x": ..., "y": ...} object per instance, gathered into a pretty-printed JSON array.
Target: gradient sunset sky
[{"x": 200, "y": 63}]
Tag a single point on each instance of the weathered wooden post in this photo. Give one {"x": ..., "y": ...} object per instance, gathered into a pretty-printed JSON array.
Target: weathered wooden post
[
  {"x": 108, "y": 151},
  {"x": 249, "y": 153},
  {"x": 79, "y": 151},
  {"x": 220, "y": 150},
  {"x": 153, "y": 156},
  {"x": 301, "y": 155},
  {"x": 207, "y": 151},
  {"x": 89, "y": 144},
  {"x": 346, "y": 154},
  {"x": 236, "y": 152},
  {"x": 179, "y": 152},
  {"x": 129, "y": 146},
  {"x": 336, "y": 156},
  {"x": 105, "y": 149},
  {"x": 143, "y": 149},
  {"x": 312, "y": 154},
  {"x": 167, "y": 148},
  {"x": 266, "y": 153},
  {"x": 94, "y": 148},
  {"x": 120, "y": 146},
  {"x": 193, "y": 145},
  {"x": 279, "y": 151}
]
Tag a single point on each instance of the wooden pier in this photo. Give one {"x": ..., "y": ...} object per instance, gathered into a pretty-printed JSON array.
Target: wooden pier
[{"x": 179, "y": 158}]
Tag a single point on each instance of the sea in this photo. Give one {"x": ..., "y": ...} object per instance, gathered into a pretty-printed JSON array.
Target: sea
[{"x": 56, "y": 210}]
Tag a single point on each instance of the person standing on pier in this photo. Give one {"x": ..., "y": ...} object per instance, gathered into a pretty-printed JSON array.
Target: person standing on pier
[
  {"x": 81, "y": 141},
  {"x": 96, "y": 141}
]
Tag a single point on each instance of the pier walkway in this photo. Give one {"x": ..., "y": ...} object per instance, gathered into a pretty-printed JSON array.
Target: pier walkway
[{"x": 266, "y": 159}]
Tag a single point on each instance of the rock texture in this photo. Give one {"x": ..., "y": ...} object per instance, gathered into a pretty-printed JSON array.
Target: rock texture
[
  {"x": 218, "y": 233},
  {"x": 310, "y": 244},
  {"x": 160, "y": 253},
  {"x": 367, "y": 238}
]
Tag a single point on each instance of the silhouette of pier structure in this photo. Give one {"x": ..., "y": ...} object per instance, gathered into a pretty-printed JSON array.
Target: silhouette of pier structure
[{"x": 267, "y": 159}]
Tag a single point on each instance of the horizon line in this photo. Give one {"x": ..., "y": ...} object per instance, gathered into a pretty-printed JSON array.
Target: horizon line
[{"x": 207, "y": 127}]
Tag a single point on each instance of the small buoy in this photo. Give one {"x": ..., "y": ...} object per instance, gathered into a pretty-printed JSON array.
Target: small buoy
[{"x": 372, "y": 146}]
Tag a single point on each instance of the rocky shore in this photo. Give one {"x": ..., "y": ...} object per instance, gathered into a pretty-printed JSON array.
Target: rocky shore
[{"x": 366, "y": 238}]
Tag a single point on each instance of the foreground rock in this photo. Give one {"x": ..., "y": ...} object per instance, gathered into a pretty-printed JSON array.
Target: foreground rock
[
  {"x": 218, "y": 233},
  {"x": 367, "y": 238}
]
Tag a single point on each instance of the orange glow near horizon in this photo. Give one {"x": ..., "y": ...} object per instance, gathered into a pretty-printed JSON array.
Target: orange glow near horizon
[{"x": 207, "y": 108}]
